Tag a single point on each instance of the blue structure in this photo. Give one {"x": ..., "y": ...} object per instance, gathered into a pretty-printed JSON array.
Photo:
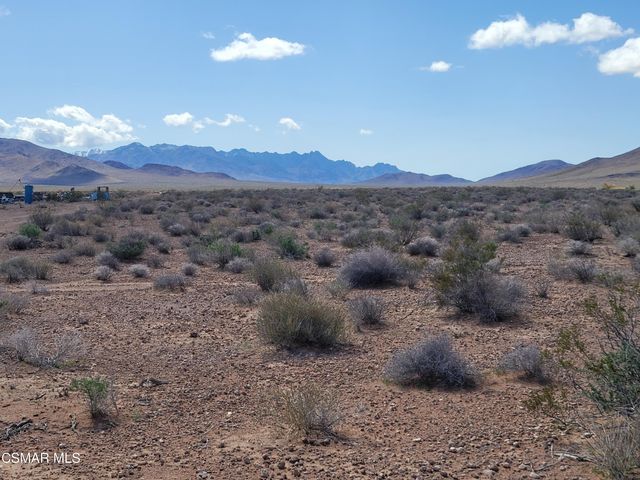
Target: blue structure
[{"x": 28, "y": 194}]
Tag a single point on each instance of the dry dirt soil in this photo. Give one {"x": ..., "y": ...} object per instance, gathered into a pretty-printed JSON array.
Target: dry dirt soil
[{"x": 208, "y": 421}]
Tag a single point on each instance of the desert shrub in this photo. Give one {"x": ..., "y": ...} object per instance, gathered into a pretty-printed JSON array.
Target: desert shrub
[
  {"x": 103, "y": 273},
  {"x": 28, "y": 347},
  {"x": 189, "y": 269},
  {"x": 68, "y": 229},
  {"x": 338, "y": 289},
  {"x": 85, "y": 250},
  {"x": 170, "y": 281},
  {"x": 306, "y": 409},
  {"x": 425, "y": 246},
  {"x": 163, "y": 247},
  {"x": 324, "y": 258},
  {"x": 289, "y": 247},
  {"x": 100, "y": 395},
  {"x": 363, "y": 238},
  {"x": 291, "y": 320},
  {"x": 514, "y": 234},
  {"x": 20, "y": 242},
  {"x": 18, "y": 269},
  {"x": 579, "y": 227},
  {"x": 30, "y": 230},
  {"x": 239, "y": 265},
  {"x": 438, "y": 231},
  {"x": 294, "y": 285},
  {"x": 107, "y": 259},
  {"x": 367, "y": 311},
  {"x": 467, "y": 281},
  {"x": 577, "y": 247},
  {"x": 529, "y": 361},
  {"x": 42, "y": 218},
  {"x": 579, "y": 269},
  {"x": 146, "y": 209},
  {"x": 610, "y": 376},
  {"x": 155, "y": 261},
  {"x": 629, "y": 247},
  {"x": 247, "y": 296},
  {"x": 615, "y": 448},
  {"x": 542, "y": 288},
  {"x": 63, "y": 256},
  {"x": 246, "y": 236},
  {"x": 431, "y": 363},
  {"x": 199, "y": 254},
  {"x": 404, "y": 227},
  {"x": 101, "y": 236},
  {"x": 139, "y": 271},
  {"x": 270, "y": 274},
  {"x": 130, "y": 247},
  {"x": 372, "y": 268},
  {"x": 222, "y": 252},
  {"x": 177, "y": 230}
]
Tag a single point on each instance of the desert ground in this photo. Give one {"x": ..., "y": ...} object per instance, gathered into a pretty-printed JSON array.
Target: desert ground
[{"x": 196, "y": 381}]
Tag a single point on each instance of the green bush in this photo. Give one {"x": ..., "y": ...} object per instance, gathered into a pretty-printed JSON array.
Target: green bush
[
  {"x": 289, "y": 247},
  {"x": 291, "y": 320},
  {"x": 579, "y": 227},
  {"x": 30, "y": 230},
  {"x": 224, "y": 251},
  {"x": 270, "y": 274},
  {"x": 100, "y": 395},
  {"x": 128, "y": 248}
]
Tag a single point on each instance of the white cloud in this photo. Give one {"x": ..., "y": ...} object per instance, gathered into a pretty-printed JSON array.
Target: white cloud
[
  {"x": 439, "y": 67},
  {"x": 229, "y": 118},
  {"x": 289, "y": 123},
  {"x": 4, "y": 126},
  {"x": 625, "y": 59},
  {"x": 246, "y": 46},
  {"x": 4, "y": 11},
  {"x": 517, "y": 31},
  {"x": 208, "y": 35},
  {"x": 178, "y": 119},
  {"x": 87, "y": 132},
  {"x": 366, "y": 132}
]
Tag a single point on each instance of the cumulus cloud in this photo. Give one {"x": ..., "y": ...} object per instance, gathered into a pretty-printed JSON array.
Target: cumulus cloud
[
  {"x": 625, "y": 59},
  {"x": 289, "y": 123},
  {"x": 246, "y": 46},
  {"x": 88, "y": 131},
  {"x": 438, "y": 67},
  {"x": 588, "y": 27},
  {"x": 4, "y": 126},
  {"x": 229, "y": 118},
  {"x": 366, "y": 132},
  {"x": 178, "y": 119}
]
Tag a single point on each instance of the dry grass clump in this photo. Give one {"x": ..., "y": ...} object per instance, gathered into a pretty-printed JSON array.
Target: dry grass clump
[
  {"x": 18, "y": 269},
  {"x": 270, "y": 273},
  {"x": 189, "y": 269},
  {"x": 307, "y": 409},
  {"x": 28, "y": 347},
  {"x": 324, "y": 258},
  {"x": 367, "y": 311},
  {"x": 430, "y": 363},
  {"x": 139, "y": 271},
  {"x": 103, "y": 273},
  {"x": 291, "y": 320}
]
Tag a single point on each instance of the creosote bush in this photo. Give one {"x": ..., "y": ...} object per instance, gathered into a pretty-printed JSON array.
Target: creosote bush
[
  {"x": 129, "y": 247},
  {"x": 431, "y": 363},
  {"x": 100, "y": 395},
  {"x": 291, "y": 320},
  {"x": 289, "y": 247},
  {"x": 373, "y": 268}
]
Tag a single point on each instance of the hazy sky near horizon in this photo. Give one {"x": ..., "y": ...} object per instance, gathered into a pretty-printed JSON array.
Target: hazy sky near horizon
[{"x": 462, "y": 87}]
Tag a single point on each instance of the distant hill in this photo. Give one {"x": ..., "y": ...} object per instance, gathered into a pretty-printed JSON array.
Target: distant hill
[
  {"x": 172, "y": 171},
  {"x": 620, "y": 170},
  {"x": 22, "y": 160},
  {"x": 536, "y": 169},
  {"x": 312, "y": 167},
  {"x": 115, "y": 164},
  {"x": 410, "y": 179}
]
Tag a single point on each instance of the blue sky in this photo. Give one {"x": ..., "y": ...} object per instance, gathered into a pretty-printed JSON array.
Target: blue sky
[{"x": 351, "y": 78}]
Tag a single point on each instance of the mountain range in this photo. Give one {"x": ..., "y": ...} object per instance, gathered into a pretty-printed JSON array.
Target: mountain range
[{"x": 166, "y": 166}]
